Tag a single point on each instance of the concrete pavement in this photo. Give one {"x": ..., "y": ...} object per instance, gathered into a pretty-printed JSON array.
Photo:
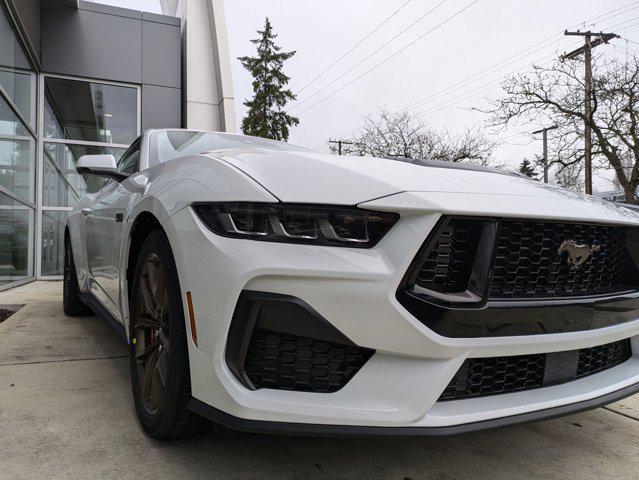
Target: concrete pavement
[{"x": 66, "y": 412}]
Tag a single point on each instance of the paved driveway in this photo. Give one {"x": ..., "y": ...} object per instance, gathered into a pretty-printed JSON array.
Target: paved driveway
[{"x": 66, "y": 412}]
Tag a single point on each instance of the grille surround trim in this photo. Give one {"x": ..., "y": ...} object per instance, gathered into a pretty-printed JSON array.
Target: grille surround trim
[
  {"x": 286, "y": 316},
  {"x": 479, "y": 291}
]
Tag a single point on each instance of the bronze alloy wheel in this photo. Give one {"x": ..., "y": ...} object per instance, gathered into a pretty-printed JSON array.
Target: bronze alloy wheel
[
  {"x": 151, "y": 333},
  {"x": 159, "y": 356}
]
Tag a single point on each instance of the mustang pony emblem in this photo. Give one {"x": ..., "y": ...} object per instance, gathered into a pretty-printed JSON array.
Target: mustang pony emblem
[{"x": 577, "y": 254}]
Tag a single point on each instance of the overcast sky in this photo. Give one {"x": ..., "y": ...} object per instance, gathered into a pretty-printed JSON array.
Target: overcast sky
[{"x": 485, "y": 34}]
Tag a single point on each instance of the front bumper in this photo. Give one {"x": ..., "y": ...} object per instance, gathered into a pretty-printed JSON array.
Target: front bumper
[
  {"x": 354, "y": 290},
  {"x": 267, "y": 427}
]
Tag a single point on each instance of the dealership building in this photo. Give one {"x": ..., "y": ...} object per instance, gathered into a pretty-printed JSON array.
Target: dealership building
[{"x": 81, "y": 78}]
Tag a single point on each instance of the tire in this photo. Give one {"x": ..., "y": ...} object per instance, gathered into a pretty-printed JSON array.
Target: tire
[
  {"x": 160, "y": 375},
  {"x": 71, "y": 302}
]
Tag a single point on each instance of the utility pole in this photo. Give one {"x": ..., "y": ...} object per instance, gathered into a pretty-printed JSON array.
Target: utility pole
[
  {"x": 339, "y": 144},
  {"x": 545, "y": 159},
  {"x": 589, "y": 44}
]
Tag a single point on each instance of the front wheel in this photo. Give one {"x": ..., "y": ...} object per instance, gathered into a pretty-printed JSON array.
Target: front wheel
[{"x": 159, "y": 357}]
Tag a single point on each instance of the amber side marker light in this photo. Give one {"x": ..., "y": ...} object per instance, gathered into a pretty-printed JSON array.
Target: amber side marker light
[{"x": 189, "y": 302}]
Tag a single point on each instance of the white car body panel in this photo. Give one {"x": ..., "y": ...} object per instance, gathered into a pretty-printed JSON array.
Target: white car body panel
[
  {"x": 315, "y": 178},
  {"x": 353, "y": 288}
]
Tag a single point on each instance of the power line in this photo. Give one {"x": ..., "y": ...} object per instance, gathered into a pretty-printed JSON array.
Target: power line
[
  {"x": 478, "y": 90},
  {"x": 491, "y": 69},
  {"x": 607, "y": 17},
  {"x": 448, "y": 19},
  {"x": 516, "y": 134},
  {"x": 445, "y": 92},
  {"x": 473, "y": 78},
  {"x": 450, "y": 89},
  {"x": 493, "y": 82},
  {"x": 366, "y": 37},
  {"x": 368, "y": 56}
]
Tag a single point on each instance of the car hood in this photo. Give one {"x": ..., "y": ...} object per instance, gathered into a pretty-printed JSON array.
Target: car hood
[{"x": 301, "y": 177}]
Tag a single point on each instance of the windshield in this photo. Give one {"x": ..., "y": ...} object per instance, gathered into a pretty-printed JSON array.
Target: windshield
[{"x": 169, "y": 144}]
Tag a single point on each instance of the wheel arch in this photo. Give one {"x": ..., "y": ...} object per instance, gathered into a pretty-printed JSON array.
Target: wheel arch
[{"x": 144, "y": 224}]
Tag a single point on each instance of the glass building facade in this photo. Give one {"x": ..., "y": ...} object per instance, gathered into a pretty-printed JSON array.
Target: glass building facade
[
  {"x": 76, "y": 78},
  {"x": 17, "y": 160},
  {"x": 47, "y": 122},
  {"x": 79, "y": 117}
]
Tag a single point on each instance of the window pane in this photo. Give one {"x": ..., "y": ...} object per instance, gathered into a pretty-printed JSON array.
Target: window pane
[
  {"x": 95, "y": 112},
  {"x": 62, "y": 186},
  {"x": 6, "y": 239},
  {"x": 16, "y": 76},
  {"x": 22, "y": 244},
  {"x": 16, "y": 240},
  {"x": 53, "y": 223},
  {"x": 129, "y": 162},
  {"x": 17, "y": 155}
]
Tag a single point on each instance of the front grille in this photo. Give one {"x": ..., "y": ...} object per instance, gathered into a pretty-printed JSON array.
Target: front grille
[
  {"x": 527, "y": 265},
  {"x": 448, "y": 261},
  {"x": 491, "y": 376},
  {"x": 288, "y": 362}
]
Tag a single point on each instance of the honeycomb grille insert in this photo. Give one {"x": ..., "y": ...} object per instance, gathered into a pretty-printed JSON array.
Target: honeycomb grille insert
[
  {"x": 527, "y": 265},
  {"x": 449, "y": 260},
  {"x": 286, "y": 362},
  {"x": 598, "y": 359},
  {"x": 490, "y": 376},
  {"x": 480, "y": 377}
]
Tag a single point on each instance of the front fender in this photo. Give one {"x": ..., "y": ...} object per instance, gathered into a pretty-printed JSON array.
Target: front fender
[
  {"x": 167, "y": 188},
  {"x": 77, "y": 235}
]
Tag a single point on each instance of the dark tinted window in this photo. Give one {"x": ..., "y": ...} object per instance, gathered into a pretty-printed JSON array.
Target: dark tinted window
[{"x": 89, "y": 111}]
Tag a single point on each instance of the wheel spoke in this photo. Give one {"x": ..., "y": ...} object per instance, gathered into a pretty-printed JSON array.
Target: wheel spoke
[
  {"x": 151, "y": 322},
  {"x": 164, "y": 339},
  {"x": 148, "y": 351},
  {"x": 148, "y": 300},
  {"x": 160, "y": 288},
  {"x": 163, "y": 366},
  {"x": 157, "y": 390},
  {"x": 149, "y": 370},
  {"x": 145, "y": 321}
]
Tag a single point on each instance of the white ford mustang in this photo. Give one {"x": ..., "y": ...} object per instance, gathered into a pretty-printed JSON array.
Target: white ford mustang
[{"x": 271, "y": 288}]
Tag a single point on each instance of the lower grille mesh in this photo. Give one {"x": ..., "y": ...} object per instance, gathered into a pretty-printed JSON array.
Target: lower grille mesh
[
  {"x": 597, "y": 359},
  {"x": 287, "y": 362},
  {"x": 491, "y": 376}
]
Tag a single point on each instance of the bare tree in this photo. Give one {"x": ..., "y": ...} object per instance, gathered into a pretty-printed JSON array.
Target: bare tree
[
  {"x": 571, "y": 177},
  {"x": 404, "y": 135},
  {"x": 555, "y": 95}
]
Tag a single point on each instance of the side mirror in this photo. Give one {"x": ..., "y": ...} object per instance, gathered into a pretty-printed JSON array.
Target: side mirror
[{"x": 100, "y": 165}]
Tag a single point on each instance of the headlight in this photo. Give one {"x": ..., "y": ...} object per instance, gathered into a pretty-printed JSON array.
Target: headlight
[{"x": 311, "y": 224}]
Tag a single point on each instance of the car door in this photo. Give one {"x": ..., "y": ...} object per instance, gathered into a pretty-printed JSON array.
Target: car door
[{"x": 104, "y": 221}]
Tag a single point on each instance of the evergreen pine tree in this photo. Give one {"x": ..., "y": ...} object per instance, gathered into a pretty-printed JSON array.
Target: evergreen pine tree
[
  {"x": 528, "y": 169},
  {"x": 266, "y": 117}
]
